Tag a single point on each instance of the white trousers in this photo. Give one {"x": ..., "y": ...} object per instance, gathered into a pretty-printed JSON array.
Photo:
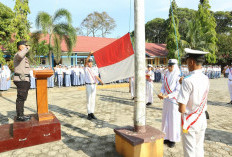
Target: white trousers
[
  {"x": 91, "y": 96},
  {"x": 60, "y": 80},
  {"x": 230, "y": 88},
  {"x": 193, "y": 143},
  {"x": 149, "y": 92}
]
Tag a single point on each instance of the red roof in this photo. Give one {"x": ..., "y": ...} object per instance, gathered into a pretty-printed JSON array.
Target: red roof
[
  {"x": 153, "y": 49},
  {"x": 86, "y": 43}
]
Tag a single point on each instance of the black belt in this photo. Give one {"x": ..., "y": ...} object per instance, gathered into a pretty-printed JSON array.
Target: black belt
[
  {"x": 90, "y": 83},
  {"x": 26, "y": 75}
]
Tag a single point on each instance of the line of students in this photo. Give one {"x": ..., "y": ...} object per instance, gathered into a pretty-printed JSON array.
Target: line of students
[
  {"x": 5, "y": 81},
  {"x": 67, "y": 76}
]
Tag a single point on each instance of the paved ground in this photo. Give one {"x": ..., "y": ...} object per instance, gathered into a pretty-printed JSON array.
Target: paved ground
[{"x": 114, "y": 108}]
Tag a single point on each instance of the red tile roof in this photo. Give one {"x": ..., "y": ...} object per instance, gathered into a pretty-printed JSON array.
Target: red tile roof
[
  {"x": 155, "y": 50},
  {"x": 86, "y": 43}
]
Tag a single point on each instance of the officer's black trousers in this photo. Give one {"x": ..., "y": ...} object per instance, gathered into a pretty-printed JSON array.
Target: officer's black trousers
[{"x": 22, "y": 92}]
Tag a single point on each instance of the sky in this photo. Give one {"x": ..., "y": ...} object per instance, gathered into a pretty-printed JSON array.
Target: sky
[{"x": 122, "y": 11}]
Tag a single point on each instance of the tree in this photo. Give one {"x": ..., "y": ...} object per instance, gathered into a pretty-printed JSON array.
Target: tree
[
  {"x": 172, "y": 32},
  {"x": 224, "y": 21},
  {"x": 208, "y": 33},
  {"x": 20, "y": 21},
  {"x": 38, "y": 48},
  {"x": 6, "y": 28},
  {"x": 107, "y": 24},
  {"x": 224, "y": 48},
  {"x": 2, "y": 60},
  {"x": 96, "y": 21},
  {"x": 57, "y": 31},
  {"x": 156, "y": 30},
  {"x": 91, "y": 24},
  {"x": 184, "y": 16}
]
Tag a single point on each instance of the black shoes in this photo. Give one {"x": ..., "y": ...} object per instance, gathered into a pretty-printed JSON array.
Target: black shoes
[
  {"x": 23, "y": 118},
  {"x": 170, "y": 144},
  {"x": 148, "y": 104},
  {"x": 230, "y": 102},
  {"x": 91, "y": 116}
]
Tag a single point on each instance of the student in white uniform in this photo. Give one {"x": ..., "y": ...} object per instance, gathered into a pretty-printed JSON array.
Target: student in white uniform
[
  {"x": 229, "y": 71},
  {"x": 192, "y": 101},
  {"x": 171, "y": 116},
  {"x": 32, "y": 79},
  {"x": 149, "y": 85},
  {"x": 90, "y": 79},
  {"x": 3, "y": 79},
  {"x": 60, "y": 76},
  {"x": 82, "y": 76}
]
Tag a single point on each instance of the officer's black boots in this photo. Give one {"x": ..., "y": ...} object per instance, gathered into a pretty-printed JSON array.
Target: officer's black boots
[{"x": 23, "y": 118}]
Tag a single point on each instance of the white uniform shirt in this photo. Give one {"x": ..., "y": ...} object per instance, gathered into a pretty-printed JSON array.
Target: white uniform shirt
[
  {"x": 229, "y": 70},
  {"x": 59, "y": 71},
  {"x": 192, "y": 92},
  {"x": 90, "y": 75},
  {"x": 68, "y": 71},
  {"x": 151, "y": 73}
]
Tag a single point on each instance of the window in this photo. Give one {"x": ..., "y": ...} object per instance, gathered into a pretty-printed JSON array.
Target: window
[{"x": 43, "y": 61}]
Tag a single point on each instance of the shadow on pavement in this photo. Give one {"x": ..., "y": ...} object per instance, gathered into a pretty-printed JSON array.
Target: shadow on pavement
[
  {"x": 216, "y": 103},
  {"x": 91, "y": 144},
  {"x": 13, "y": 102},
  {"x": 99, "y": 123},
  {"x": 218, "y": 136},
  {"x": 121, "y": 101},
  {"x": 4, "y": 119}
]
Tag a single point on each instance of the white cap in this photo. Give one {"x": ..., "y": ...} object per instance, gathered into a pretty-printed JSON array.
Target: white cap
[
  {"x": 172, "y": 61},
  {"x": 149, "y": 65},
  {"x": 196, "y": 52},
  {"x": 90, "y": 60}
]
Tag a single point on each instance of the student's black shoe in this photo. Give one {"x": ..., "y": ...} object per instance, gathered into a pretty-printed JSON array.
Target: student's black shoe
[
  {"x": 92, "y": 115},
  {"x": 148, "y": 104},
  {"x": 229, "y": 102},
  {"x": 133, "y": 98},
  {"x": 166, "y": 141},
  {"x": 89, "y": 117},
  {"x": 171, "y": 144},
  {"x": 23, "y": 118}
]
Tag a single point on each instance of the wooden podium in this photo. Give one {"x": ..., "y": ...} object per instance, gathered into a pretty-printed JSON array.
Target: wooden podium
[
  {"x": 42, "y": 94},
  {"x": 43, "y": 127}
]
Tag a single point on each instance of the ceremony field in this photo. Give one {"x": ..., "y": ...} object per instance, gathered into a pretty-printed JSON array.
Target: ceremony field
[{"x": 114, "y": 108}]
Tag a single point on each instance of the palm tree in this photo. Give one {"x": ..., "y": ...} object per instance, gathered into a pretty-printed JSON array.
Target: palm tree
[{"x": 57, "y": 31}]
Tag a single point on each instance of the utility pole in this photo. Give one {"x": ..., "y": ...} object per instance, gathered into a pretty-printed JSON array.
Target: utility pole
[{"x": 140, "y": 86}]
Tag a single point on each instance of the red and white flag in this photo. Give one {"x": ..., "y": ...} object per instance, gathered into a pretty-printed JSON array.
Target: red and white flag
[{"x": 116, "y": 60}]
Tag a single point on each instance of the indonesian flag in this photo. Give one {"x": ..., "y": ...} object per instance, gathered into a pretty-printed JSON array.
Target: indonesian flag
[{"x": 116, "y": 60}]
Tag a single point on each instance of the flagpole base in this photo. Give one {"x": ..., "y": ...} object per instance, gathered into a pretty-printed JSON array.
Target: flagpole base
[{"x": 134, "y": 144}]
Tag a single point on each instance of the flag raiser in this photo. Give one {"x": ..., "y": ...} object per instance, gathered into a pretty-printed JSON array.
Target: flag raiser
[{"x": 116, "y": 60}]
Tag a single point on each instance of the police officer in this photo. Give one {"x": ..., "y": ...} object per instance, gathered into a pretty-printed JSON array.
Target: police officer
[
  {"x": 21, "y": 79},
  {"x": 192, "y": 101}
]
